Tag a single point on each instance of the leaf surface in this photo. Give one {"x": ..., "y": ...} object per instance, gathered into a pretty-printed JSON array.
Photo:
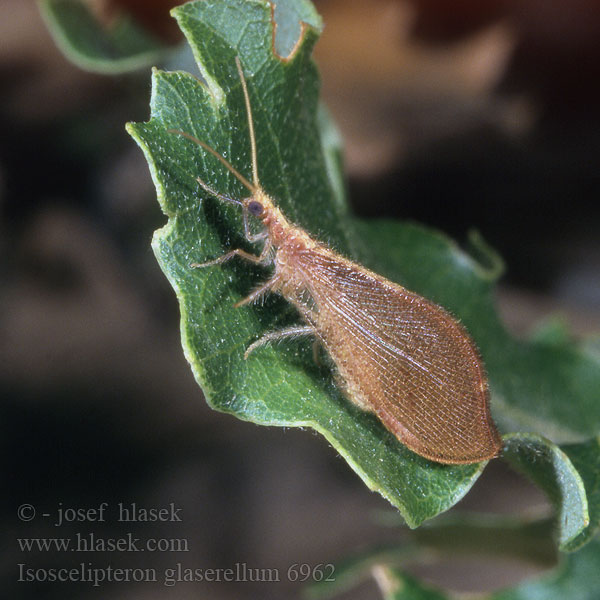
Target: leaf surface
[
  {"x": 577, "y": 578},
  {"x": 123, "y": 46},
  {"x": 298, "y": 159},
  {"x": 550, "y": 468}
]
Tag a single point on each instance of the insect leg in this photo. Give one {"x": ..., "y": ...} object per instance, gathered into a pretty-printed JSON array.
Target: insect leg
[
  {"x": 262, "y": 258},
  {"x": 263, "y": 289},
  {"x": 272, "y": 336}
]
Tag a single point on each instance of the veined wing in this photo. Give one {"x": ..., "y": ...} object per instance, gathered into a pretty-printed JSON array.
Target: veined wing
[{"x": 402, "y": 357}]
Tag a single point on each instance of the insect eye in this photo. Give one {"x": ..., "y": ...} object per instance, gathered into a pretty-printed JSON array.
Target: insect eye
[{"x": 255, "y": 208}]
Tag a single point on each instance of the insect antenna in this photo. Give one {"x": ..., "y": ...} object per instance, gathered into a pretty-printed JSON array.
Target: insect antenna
[
  {"x": 223, "y": 160},
  {"x": 250, "y": 123},
  {"x": 218, "y": 195},
  {"x": 252, "y": 187}
]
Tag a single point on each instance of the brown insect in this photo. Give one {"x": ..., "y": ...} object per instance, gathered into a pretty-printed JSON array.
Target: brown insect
[{"x": 397, "y": 354}]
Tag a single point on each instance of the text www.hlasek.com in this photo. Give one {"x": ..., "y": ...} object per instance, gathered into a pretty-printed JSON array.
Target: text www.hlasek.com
[{"x": 89, "y": 542}]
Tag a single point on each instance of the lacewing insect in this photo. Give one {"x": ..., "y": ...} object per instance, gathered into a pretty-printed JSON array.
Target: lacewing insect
[{"x": 397, "y": 354}]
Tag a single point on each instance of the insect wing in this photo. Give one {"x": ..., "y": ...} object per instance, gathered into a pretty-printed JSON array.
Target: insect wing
[{"x": 402, "y": 357}]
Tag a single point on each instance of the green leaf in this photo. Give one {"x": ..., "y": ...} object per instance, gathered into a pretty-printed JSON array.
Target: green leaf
[
  {"x": 280, "y": 385},
  {"x": 550, "y": 468},
  {"x": 457, "y": 534},
  {"x": 289, "y": 15},
  {"x": 299, "y": 165},
  {"x": 586, "y": 460},
  {"x": 125, "y": 46},
  {"x": 576, "y": 578}
]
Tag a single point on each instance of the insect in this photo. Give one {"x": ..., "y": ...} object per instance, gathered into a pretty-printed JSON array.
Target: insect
[{"x": 396, "y": 354}]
